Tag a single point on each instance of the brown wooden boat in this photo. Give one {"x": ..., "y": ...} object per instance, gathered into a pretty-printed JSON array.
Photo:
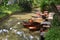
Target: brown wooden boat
[{"x": 32, "y": 26}]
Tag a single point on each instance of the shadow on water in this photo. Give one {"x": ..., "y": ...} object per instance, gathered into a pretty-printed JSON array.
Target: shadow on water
[{"x": 12, "y": 29}]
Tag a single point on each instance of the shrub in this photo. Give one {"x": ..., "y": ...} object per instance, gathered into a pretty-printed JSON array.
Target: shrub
[
  {"x": 2, "y": 15},
  {"x": 9, "y": 8},
  {"x": 54, "y": 32}
]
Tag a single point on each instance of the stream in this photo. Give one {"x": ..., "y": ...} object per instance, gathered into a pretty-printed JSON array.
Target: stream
[{"x": 12, "y": 29}]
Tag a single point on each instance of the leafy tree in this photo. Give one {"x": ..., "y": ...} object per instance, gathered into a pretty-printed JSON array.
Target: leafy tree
[{"x": 48, "y": 5}]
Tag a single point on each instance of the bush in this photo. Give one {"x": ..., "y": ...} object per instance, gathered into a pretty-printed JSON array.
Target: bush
[
  {"x": 9, "y": 8},
  {"x": 54, "y": 32},
  {"x": 2, "y": 15},
  {"x": 55, "y": 21}
]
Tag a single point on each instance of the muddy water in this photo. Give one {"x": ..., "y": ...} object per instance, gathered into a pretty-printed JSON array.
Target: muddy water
[{"x": 12, "y": 29}]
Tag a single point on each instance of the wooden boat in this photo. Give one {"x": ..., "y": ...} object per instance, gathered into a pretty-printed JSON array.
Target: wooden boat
[{"x": 32, "y": 26}]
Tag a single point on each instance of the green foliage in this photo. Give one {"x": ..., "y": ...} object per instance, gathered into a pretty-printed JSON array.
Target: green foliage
[
  {"x": 43, "y": 4},
  {"x": 54, "y": 32},
  {"x": 26, "y": 5},
  {"x": 36, "y": 3},
  {"x": 57, "y": 2},
  {"x": 55, "y": 21},
  {"x": 9, "y": 8},
  {"x": 3, "y": 15}
]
